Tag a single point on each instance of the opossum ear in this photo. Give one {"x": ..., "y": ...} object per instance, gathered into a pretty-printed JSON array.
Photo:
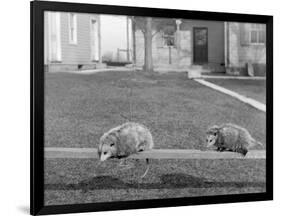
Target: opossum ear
[
  {"x": 116, "y": 137},
  {"x": 213, "y": 129},
  {"x": 112, "y": 144}
]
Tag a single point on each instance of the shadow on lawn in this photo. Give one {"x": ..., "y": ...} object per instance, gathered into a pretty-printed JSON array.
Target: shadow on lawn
[{"x": 168, "y": 181}]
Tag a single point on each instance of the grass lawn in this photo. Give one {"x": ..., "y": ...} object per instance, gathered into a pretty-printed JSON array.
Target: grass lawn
[
  {"x": 255, "y": 89},
  {"x": 80, "y": 108},
  {"x": 70, "y": 181}
]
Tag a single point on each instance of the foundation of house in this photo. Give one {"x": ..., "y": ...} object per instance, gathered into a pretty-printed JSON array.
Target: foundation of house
[{"x": 57, "y": 67}]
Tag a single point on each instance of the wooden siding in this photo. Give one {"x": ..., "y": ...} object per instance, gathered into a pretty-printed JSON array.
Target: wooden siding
[{"x": 79, "y": 53}]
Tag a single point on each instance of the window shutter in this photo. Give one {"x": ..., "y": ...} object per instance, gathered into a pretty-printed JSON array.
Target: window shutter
[{"x": 244, "y": 34}]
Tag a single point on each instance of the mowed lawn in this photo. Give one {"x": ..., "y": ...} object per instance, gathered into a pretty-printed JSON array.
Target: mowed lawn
[
  {"x": 80, "y": 108},
  {"x": 255, "y": 89}
]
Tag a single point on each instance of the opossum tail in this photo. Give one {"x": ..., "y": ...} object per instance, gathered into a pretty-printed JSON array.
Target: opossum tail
[
  {"x": 255, "y": 143},
  {"x": 259, "y": 143},
  {"x": 147, "y": 168}
]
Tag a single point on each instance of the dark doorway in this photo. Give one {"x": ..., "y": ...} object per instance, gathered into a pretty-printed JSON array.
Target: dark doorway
[{"x": 200, "y": 45}]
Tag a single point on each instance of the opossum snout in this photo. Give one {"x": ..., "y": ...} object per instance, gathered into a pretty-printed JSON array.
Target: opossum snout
[
  {"x": 102, "y": 158},
  {"x": 105, "y": 155},
  {"x": 210, "y": 142}
]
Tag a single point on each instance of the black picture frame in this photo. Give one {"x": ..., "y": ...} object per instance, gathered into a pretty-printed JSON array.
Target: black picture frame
[{"x": 37, "y": 107}]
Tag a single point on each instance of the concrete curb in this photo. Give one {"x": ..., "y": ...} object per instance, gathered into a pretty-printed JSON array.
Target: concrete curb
[
  {"x": 56, "y": 152},
  {"x": 250, "y": 101}
]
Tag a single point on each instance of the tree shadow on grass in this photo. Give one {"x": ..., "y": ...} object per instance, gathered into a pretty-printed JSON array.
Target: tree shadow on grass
[{"x": 167, "y": 181}]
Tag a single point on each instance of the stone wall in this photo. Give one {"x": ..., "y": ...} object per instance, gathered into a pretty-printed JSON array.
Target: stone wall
[
  {"x": 160, "y": 53},
  {"x": 182, "y": 53},
  {"x": 241, "y": 51}
]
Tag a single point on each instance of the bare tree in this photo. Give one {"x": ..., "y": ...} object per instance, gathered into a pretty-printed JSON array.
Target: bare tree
[
  {"x": 149, "y": 27},
  {"x": 148, "y": 61}
]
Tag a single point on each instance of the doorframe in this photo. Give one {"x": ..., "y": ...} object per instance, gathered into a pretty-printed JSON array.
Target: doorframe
[{"x": 207, "y": 50}]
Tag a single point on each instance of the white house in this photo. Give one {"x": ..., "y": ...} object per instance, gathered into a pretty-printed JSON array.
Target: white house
[{"x": 74, "y": 41}]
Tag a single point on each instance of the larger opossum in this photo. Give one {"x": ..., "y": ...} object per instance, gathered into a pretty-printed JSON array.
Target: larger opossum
[
  {"x": 125, "y": 140},
  {"x": 230, "y": 137}
]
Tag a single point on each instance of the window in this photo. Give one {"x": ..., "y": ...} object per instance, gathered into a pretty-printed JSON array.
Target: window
[
  {"x": 168, "y": 39},
  {"x": 257, "y": 34},
  {"x": 168, "y": 36},
  {"x": 72, "y": 28}
]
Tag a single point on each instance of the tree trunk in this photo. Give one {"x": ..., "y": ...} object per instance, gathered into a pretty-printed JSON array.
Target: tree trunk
[{"x": 148, "y": 64}]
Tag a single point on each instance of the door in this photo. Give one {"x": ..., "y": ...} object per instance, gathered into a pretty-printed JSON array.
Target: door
[
  {"x": 94, "y": 40},
  {"x": 200, "y": 45}
]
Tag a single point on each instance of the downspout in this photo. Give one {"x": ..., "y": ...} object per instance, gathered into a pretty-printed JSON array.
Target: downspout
[
  {"x": 178, "y": 23},
  {"x": 128, "y": 42}
]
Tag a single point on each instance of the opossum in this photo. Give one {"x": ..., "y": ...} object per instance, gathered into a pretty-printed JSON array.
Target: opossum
[
  {"x": 230, "y": 137},
  {"x": 125, "y": 140}
]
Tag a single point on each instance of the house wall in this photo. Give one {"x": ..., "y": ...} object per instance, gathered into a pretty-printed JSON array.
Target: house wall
[
  {"x": 79, "y": 53},
  {"x": 72, "y": 54},
  {"x": 241, "y": 51},
  {"x": 182, "y": 53},
  {"x": 160, "y": 54},
  {"x": 215, "y": 39}
]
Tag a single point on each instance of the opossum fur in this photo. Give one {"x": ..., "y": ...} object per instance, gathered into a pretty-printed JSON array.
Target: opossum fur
[
  {"x": 124, "y": 140},
  {"x": 230, "y": 137}
]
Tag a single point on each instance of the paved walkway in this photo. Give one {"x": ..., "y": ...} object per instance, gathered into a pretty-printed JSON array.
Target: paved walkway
[
  {"x": 93, "y": 71},
  {"x": 158, "y": 70},
  {"x": 232, "y": 77},
  {"x": 256, "y": 104}
]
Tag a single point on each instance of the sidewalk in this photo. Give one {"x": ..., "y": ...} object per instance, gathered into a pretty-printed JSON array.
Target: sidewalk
[
  {"x": 247, "y": 100},
  {"x": 93, "y": 71},
  {"x": 232, "y": 77}
]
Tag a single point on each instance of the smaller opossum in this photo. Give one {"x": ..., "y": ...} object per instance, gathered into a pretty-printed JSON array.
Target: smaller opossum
[
  {"x": 230, "y": 137},
  {"x": 125, "y": 140}
]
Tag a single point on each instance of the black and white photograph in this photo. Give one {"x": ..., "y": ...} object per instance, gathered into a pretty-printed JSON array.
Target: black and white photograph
[{"x": 141, "y": 108}]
